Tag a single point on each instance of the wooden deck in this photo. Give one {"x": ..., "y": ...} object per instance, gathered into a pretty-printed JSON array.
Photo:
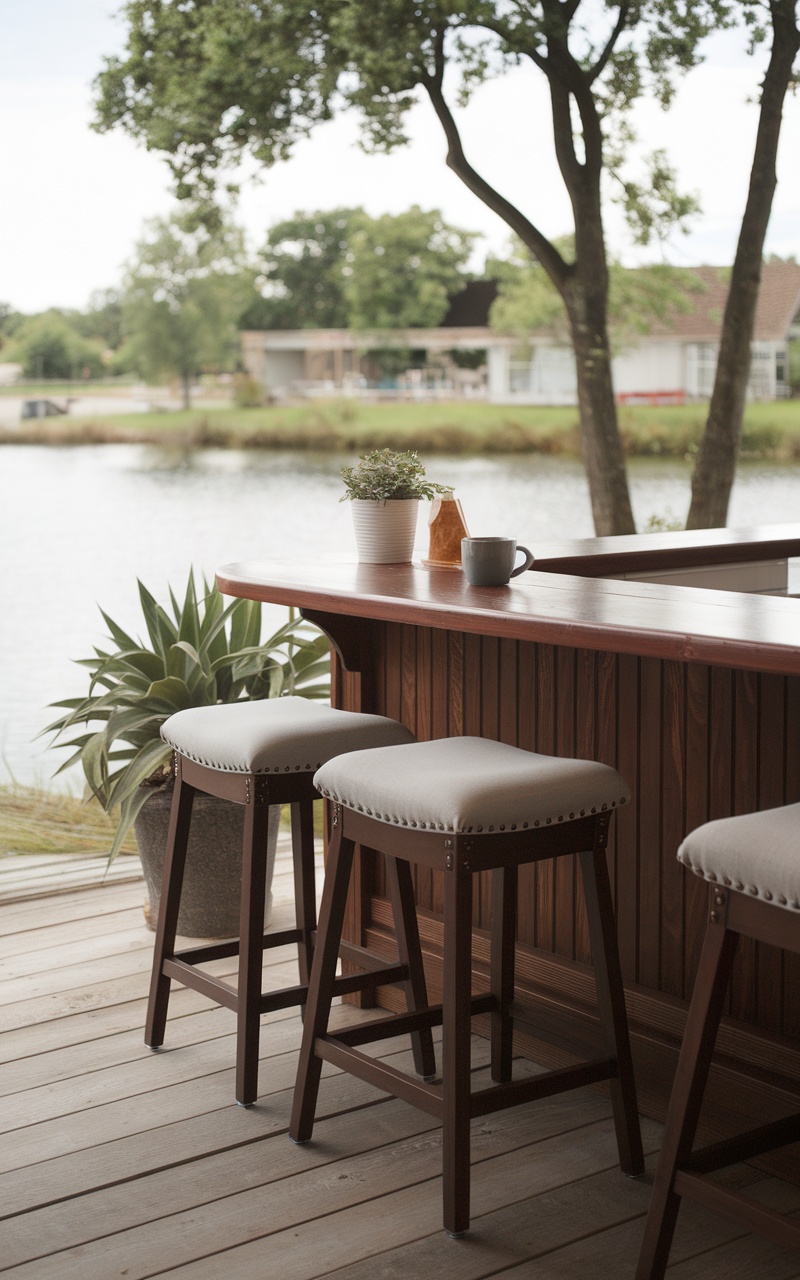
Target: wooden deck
[{"x": 120, "y": 1162}]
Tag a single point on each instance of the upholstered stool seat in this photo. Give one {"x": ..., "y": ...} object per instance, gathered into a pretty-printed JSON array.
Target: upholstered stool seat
[
  {"x": 461, "y": 806},
  {"x": 470, "y": 785},
  {"x": 276, "y": 735},
  {"x": 757, "y": 854},
  {"x": 255, "y": 754},
  {"x": 752, "y": 865}
]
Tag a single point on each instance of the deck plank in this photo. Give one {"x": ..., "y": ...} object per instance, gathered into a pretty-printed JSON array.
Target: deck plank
[{"x": 116, "y": 1160}]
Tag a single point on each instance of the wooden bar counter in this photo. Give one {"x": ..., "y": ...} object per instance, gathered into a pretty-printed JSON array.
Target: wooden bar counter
[{"x": 693, "y": 694}]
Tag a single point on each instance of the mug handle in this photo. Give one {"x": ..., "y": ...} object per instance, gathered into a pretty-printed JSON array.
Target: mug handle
[{"x": 527, "y": 562}]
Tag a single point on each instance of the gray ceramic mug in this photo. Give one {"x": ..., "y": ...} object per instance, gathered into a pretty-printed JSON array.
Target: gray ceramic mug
[{"x": 489, "y": 562}]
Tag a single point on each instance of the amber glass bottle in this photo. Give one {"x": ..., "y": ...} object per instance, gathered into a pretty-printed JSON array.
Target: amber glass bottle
[{"x": 447, "y": 528}]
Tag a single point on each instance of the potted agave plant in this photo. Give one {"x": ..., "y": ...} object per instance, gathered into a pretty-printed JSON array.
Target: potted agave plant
[
  {"x": 198, "y": 652},
  {"x": 385, "y": 488}
]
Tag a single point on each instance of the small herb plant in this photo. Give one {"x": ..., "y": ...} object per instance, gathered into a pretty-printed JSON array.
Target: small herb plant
[{"x": 386, "y": 474}]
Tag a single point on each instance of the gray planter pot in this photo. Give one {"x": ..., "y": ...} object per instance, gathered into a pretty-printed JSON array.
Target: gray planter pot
[{"x": 212, "y": 881}]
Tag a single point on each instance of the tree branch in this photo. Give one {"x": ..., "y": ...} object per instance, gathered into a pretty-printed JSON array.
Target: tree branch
[
  {"x": 619, "y": 27},
  {"x": 556, "y": 267}
]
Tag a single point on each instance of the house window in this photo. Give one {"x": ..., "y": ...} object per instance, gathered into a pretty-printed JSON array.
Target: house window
[
  {"x": 763, "y": 367},
  {"x": 701, "y": 367}
]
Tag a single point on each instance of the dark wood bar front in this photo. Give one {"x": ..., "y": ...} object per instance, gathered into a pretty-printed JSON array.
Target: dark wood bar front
[{"x": 694, "y": 695}]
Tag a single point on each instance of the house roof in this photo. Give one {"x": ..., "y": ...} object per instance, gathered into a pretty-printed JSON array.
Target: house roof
[{"x": 778, "y": 304}]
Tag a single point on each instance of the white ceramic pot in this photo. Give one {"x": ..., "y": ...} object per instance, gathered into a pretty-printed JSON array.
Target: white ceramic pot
[{"x": 385, "y": 530}]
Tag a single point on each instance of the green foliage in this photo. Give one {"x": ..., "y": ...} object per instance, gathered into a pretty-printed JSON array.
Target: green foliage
[
  {"x": 248, "y": 393},
  {"x": 384, "y": 474},
  {"x": 640, "y": 298},
  {"x": 347, "y": 270},
  {"x": 182, "y": 296},
  {"x": 209, "y": 81},
  {"x": 49, "y": 346},
  {"x": 102, "y": 321},
  {"x": 198, "y": 652},
  {"x": 303, "y": 272},
  {"x": 10, "y": 321},
  {"x": 402, "y": 269}
]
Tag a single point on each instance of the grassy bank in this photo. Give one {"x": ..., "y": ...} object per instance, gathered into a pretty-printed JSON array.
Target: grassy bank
[
  {"x": 34, "y": 820},
  {"x": 770, "y": 431}
]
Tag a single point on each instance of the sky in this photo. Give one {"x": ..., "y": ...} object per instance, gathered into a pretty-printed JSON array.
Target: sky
[{"x": 74, "y": 202}]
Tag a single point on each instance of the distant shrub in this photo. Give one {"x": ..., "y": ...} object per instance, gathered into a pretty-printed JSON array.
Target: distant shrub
[{"x": 248, "y": 392}]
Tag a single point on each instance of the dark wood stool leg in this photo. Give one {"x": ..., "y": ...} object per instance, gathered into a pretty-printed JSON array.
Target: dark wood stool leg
[
  {"x": 611, "y": 1002},
  {"x": 251, "y": 950},
  {"x": 401, "y": 892},
  {"x": 699, "y": 1037},
  {"x": 504, "y": 927},
  {"x": 174, "y": 861},
  {"x": 305, "y": 884},
  {"x": 456, "y": 1031},
  {"x": 320, "y": 989}
]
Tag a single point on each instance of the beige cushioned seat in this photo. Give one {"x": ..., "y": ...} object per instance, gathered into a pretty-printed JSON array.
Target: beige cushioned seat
[
  {"x": 755, "y": 853},
  {"x": 466, "y": 785},
  {"x": 275, "y": 735}
]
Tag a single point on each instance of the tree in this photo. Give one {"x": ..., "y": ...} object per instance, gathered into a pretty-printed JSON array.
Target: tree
[
  {"x": 103, "y": 318},
  {"x": 403, "y": 268},
  {"x": 207, "y": 80},
  {"x": 715, "y": 467},
  {"x": 344, "y": 269},
  {"x": 49, "y": 346},
  {"x": 303, "y": 264},
  {"x": 182, "y": 296}
]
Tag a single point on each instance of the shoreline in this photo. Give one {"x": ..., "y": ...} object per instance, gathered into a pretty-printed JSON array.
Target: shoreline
[{"x": 771, "y": 430}]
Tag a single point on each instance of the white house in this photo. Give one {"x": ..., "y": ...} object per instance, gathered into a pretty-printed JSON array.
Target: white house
[{"x": 673, "y": 364}]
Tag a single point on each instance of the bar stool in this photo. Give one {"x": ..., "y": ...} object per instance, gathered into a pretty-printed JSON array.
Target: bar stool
[
  {"x": 258, "y": 754},
  {"x": 461, "y": 806},
  {"x": 752, "y": 864}
]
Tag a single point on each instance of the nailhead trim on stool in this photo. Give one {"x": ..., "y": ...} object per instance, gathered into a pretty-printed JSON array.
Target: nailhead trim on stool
[
  {"x": 256, "y": 754},
  {"x": 469, "y": 785},
  {"x": 461, "y": 806}
]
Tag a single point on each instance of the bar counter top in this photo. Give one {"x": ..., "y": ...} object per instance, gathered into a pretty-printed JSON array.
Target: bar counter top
[{"x": 724, "y": 628}]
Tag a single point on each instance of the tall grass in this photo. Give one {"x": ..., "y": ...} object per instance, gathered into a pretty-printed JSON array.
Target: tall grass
[
  {"x": 34, "y": 820},
  {"x": 342, "y": 425}
]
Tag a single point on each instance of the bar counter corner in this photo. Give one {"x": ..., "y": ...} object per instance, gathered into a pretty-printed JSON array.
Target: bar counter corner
[{"x": 693, "y": 694}]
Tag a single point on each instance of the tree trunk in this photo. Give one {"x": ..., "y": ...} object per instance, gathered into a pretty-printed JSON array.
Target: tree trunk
[
  {"x": 186, "y": 384},
  {"x": 719, "y": 448},
  {"x": 603, "y": 455}
]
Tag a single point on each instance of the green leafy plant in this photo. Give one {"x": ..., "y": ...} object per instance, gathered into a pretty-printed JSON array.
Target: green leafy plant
[
  {"x": 198, "y": 653},
  {"x": 384, "y": 474}
]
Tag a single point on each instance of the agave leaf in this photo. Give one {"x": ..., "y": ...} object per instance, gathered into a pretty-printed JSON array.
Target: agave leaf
[
  {"x": 128, "y": 810},
  {"x": 212, "y": 652},
  {"x": 170, "y": 694},
  {"x": 120, "y": 637},
  {"x": 142, "y": 660},
  {"x": 130, "y": 719},
  {"x": 189, "y": 620},
  {"x": 161, "y": 630},
  {"x": 95, "y": 766},
  {"x": 127, "y": 781},
  {"x": 245, "y": 625}
]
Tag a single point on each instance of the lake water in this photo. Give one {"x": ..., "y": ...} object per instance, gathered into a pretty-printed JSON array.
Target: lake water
[{"x": 79, "y": 525}]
